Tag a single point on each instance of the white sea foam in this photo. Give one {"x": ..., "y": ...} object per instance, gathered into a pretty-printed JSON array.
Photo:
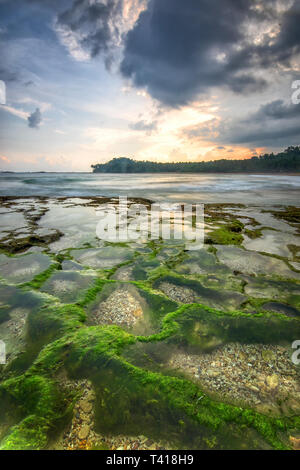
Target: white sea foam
[{"x": 267, "y": 189}]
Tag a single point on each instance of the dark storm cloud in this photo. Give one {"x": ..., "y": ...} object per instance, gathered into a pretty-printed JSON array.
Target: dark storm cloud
[
  {"x": 180, "y": 49},
  {"x": 143, "y": 126},
  {"x": 35, "y": 119},
  {"x": 273, "y": 122},
  {"x": 286, "y": 135},
  {"x": 23, "y": 20},
  {"x": 8, "y": 75},
  {"x": 96, "y": 23},
  {"x": 287, "y": 44},
  {"x": 277, "y": 109}
]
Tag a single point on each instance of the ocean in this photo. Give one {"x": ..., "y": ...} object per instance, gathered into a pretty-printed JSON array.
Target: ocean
[{"x": 205, "y": 188}]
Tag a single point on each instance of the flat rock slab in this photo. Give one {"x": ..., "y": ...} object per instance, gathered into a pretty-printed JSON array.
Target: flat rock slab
[
  {"x": 11, "y": 221},
  {"x": 250, "y": 262},
  {"x": 275, "y": 243},
  {"x": 68, "y": 286},
  {"x": 202, "y": 262},
  {"x": 22, "y": 269},
  {"x": 69, "y": 265},
  {"x": 220, "y": 299},
  {"x": 103, "y": 258},
  {"x": 281, "y": 308},
  {"x": 262, "y": 288}
]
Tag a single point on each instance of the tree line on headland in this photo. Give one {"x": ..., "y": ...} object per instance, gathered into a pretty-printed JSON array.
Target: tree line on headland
[{"x": 286, "y": 161}]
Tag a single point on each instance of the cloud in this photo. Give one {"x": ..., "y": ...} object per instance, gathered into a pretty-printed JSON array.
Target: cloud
[
  {"x": 16, "y": 112},
  {"x": 92, "y": 24},
  {"x": 178, "y": 50},
  {"x": 8, "y": 75},
  {"x": 35, "y": 119},
  {"x": 89, "y": 29},
  {"x": 142, "y": 125},
  {"x": 272, "y": 135},
  {"x": 273, "y": 124},
  {"x": 277, "y": 109}
]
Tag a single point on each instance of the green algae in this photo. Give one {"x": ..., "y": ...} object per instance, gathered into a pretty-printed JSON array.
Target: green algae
[
  {"x": 159, "y": 306},
  {"x": 120, "y": 386},
  {"x": 41, "y": 278},
  {"x": 290, "y": 214},
  {"x": 295, "y": 252},
  {"x": 218, "y": 298},
  {"x": 30, "y": 434},
  {"x": 130, "y": 398},
  {"x": 202, "y": 328},
  {"x": 44, "y": 407},
  {"x": 227, "y": 235}
]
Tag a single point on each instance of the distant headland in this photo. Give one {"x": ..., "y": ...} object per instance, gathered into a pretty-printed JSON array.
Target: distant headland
[{"x": 286, "y": 161}]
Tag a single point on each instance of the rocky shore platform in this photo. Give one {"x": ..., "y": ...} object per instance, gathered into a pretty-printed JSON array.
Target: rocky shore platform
[{"x": 145, "y": 344}]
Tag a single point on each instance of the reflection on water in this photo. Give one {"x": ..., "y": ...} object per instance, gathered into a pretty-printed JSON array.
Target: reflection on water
[{"x": 270, "y": 189}]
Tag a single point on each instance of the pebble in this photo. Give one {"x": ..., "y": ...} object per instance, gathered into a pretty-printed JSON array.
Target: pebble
[
  {"x": 120, "y": 308},
  {"x": 228, "y": 372},
  {"x": 81, "y": 434}
]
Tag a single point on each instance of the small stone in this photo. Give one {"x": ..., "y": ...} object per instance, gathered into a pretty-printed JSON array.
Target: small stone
[
  {"x": 253, "y": 388},
  {"x": 295, "y": 442},
  {"x": 84, "y": 432},
  {"x": 272, "y": 381},
  {"x": 268, "y": 355},
  {"x": 212, "y": 373},
  {"x": 86, "y": 406}
]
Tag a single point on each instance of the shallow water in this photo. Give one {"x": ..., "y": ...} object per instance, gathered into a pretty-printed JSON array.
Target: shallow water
[
  {"x": 263, "y": 189},
  {"x": 146, "y": 336}
]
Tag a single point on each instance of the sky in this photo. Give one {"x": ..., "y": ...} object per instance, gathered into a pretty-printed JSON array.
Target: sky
[{"x": 160, "y": 80}]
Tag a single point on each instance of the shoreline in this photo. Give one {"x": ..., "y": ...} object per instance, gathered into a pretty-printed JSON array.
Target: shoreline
[{"x": 265, "y": 173}]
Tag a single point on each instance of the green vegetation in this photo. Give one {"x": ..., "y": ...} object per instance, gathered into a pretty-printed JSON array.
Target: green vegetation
[
  {"x": 288, "y": 160},
  {"x": 126, "y": 394},
  {"x": 229, "y": 234},
  {"x": 133, "y": 394}
]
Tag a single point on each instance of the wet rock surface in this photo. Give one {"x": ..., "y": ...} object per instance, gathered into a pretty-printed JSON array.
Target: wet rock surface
[
  {"x": 23, "y": 268},
  {"x": 281, "y": 308},
  {"x": 68, "y": 286},
  {"x": 181, "y": 294},
  {"x": 105, "y": 258},
  {"x": 261, "y": 376},
  {"x": 69, "y": 300},
  {"x": 254, "y": 263},
  {"x": 81, "y": 434},
  {"x": 223, "y": 300},
  {"x": 13, "y": 332},
  {"x": 120, "y": 308}
]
